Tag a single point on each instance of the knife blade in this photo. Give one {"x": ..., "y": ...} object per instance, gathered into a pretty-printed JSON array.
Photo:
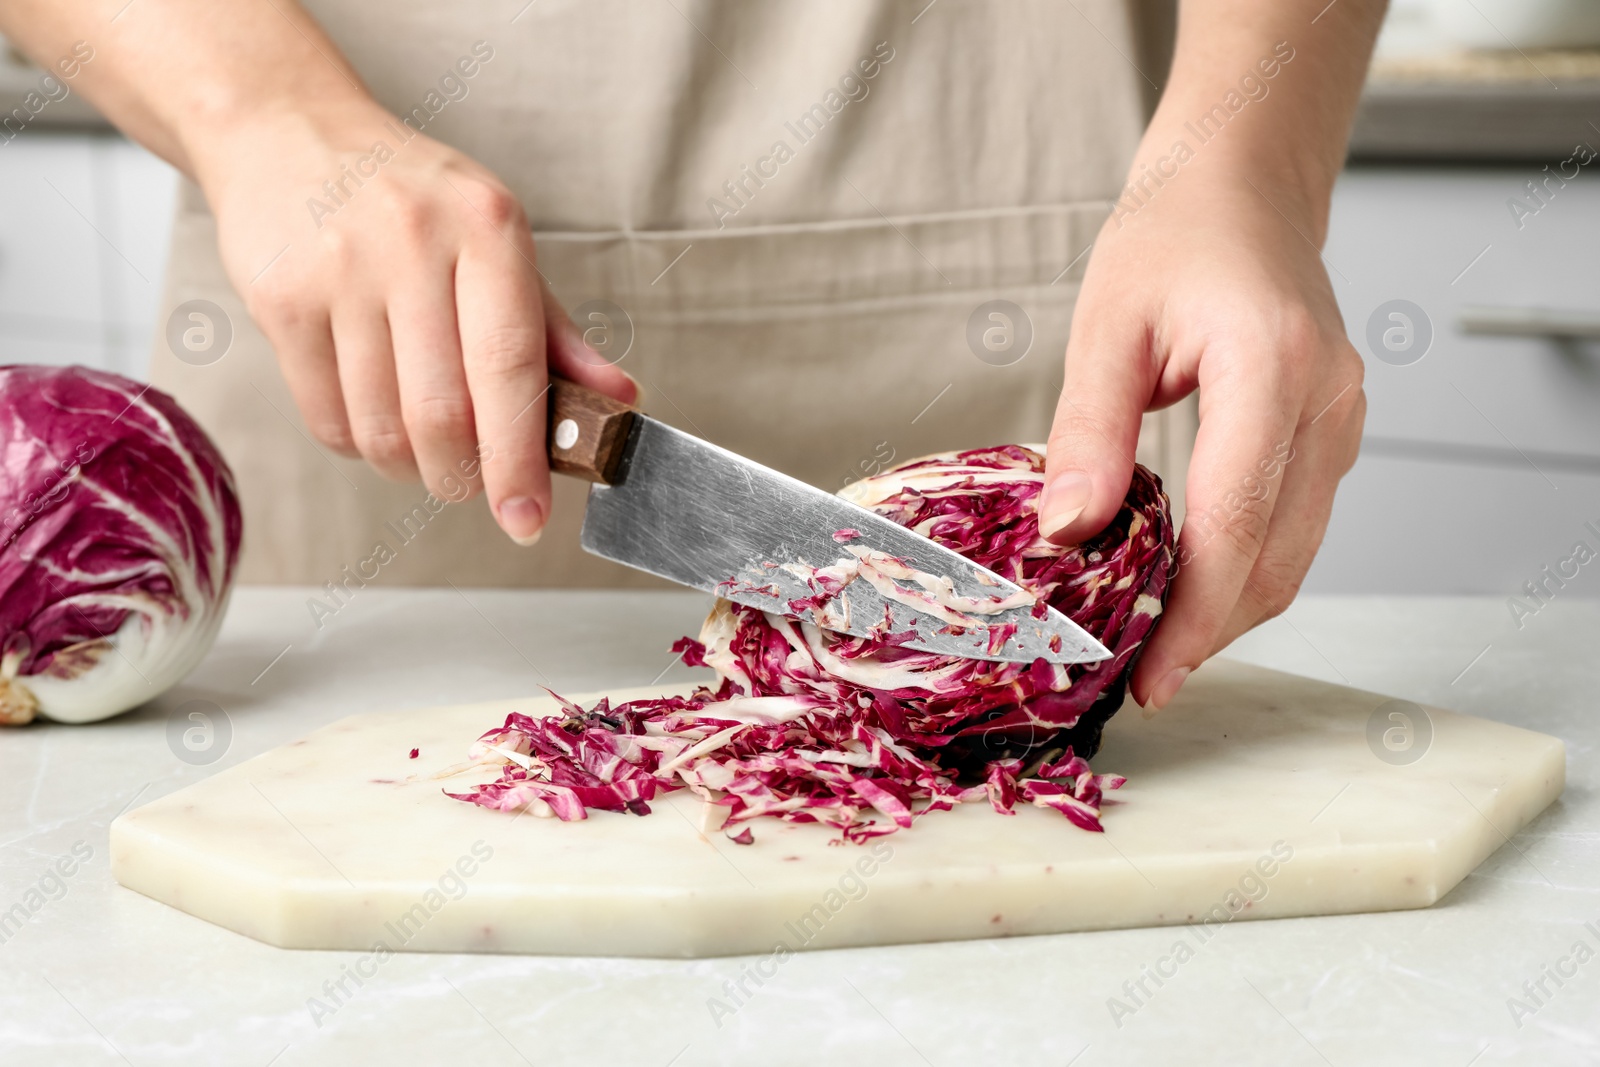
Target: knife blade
[{"x": 668, "y": 503}]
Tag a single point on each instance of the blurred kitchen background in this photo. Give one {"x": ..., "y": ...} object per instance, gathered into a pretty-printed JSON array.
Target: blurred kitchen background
[{"x": 1481, "y": 461}]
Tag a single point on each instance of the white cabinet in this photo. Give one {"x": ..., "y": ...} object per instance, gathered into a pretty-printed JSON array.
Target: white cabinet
[
  {"x": 1481, "y": 460},
  {"x": 83, "y": 249}
]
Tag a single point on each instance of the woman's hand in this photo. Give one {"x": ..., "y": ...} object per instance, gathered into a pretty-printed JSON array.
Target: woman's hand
[
  {"x": 403, "y": 302},
  {"x": 408, "y": 317},
  {"x": 1208, "y": 276},
  {"x": 1210, "y": 286}
]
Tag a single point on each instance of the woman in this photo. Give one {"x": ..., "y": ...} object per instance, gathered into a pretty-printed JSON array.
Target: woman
[{"x": 788, "y": 221}]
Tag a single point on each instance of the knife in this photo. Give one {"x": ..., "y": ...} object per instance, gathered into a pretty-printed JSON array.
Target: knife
[{"x": 668, "y": 503}]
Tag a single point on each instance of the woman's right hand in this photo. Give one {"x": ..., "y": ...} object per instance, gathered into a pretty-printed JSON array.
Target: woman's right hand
[{"x": 407, "y": 313}]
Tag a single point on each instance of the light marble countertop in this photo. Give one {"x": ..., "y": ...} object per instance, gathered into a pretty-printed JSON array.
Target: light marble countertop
[{"x": 101, "y": 975}]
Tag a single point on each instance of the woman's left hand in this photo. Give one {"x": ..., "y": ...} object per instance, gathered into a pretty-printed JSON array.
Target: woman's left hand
[{"x": 1210, "y": 286}]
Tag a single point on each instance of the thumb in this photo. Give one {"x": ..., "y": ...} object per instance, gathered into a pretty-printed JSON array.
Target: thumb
[
  {"x": 572, "y": 356},
  {"x": 1109, "y": 382}
]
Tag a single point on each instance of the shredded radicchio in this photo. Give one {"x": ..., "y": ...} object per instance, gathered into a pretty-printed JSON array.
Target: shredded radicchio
[{"x": 810, "y": 725}]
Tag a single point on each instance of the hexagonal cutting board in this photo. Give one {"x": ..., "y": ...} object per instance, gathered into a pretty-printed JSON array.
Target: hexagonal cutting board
[{"x": 1255, "y": 795}]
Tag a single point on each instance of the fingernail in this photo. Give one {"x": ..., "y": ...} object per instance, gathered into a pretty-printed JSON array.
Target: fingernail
[
  {"x": 1064, "y": 500},
  {"x": 638, "y": 390},
  {"x": 1168, "y": 688},
  {"x": 521, "y": 518}
]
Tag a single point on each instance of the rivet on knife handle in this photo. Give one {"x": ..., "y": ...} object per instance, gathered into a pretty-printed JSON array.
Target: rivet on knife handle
[{"x": 588, "y": 432}]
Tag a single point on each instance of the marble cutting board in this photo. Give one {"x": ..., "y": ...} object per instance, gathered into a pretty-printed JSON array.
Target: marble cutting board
[{"x": 1255, "y": 795}]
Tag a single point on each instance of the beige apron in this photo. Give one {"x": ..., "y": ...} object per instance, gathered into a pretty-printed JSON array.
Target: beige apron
[{"x": 807, "y": 306}]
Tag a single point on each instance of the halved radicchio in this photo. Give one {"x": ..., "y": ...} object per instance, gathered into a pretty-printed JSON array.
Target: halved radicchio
[{"x": 809, "y": 725}]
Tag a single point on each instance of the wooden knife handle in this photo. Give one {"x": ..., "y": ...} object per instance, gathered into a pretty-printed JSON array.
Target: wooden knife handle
[{"x": 588, "y": 432}]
